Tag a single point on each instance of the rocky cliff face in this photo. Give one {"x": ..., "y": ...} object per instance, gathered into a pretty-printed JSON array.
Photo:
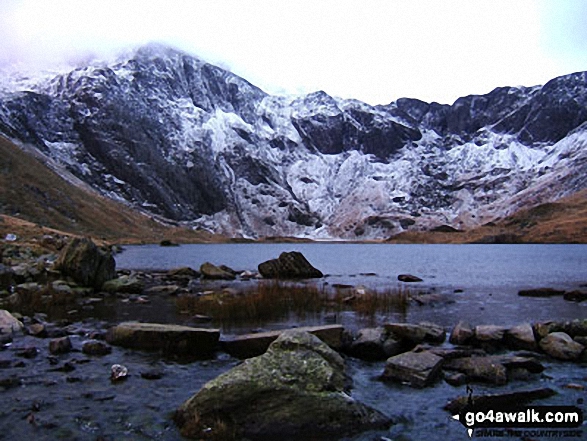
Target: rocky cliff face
[{"x": 175, "y": 135}]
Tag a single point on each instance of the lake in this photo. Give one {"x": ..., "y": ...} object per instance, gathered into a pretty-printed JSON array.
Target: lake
[{"x": 479, "y": 283}]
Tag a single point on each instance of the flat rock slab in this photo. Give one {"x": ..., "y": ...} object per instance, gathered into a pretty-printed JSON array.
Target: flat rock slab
[
  {"x": 252, "y": 345},
  {"x": 171, "y": 339},
  {"x": 500, "y": 400},
  {"x": 420, "y": 369}
]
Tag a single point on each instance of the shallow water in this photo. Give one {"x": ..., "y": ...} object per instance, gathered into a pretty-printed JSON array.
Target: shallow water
[{"x": 489, "y": 276}]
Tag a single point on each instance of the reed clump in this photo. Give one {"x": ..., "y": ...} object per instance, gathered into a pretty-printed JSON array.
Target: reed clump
[{"x": 278, "y": 300}]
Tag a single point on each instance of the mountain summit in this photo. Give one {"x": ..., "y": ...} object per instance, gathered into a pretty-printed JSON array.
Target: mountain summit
[{"x": 187, "y": 140}]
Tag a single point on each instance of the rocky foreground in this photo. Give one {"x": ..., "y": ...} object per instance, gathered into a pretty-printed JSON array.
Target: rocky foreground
[{"x": 292, "y": 383}]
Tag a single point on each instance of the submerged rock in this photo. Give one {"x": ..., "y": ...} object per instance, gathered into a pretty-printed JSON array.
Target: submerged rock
[
  {"x": 85, "y": 263},
  {"x": 296, "y": 390},
  {"x": 292, "y": 265},
  {"x": 171, "y": 339},
  {"x": 60, "y": 345},
  {"x": 409, "y": 278}
]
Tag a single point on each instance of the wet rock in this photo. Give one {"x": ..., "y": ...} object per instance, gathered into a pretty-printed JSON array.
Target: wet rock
[
  {"x": 461, "y": 334},
  {"x": 575, "y": 296},
  {"x": 456, "y": 379},
  {"x": 118, "y": 373},
  {"x": 6, "y": 277},
  {"x": 375, "y": 344},
  {"x": 168, "y": 243},
  {"x": 124, "y": 284},
  {"x": 29, "y": 352},
  {"x": 10, "y": 382},
  {"x": 540, "y": 292},
  {"x": 420, "y": 369},
  {"x": 561, "y": 346},
  {"x": 9, "y": 324},
  {"x": 499, "y": 401},
  {"x": 521, "y": 337},
  {"x": 292, "y": 265},
  {"x": 37, "y": 330},
  {"x": 96, "y": 347},
  {"x": 252, "y": 345},
  {"x": 171, "y": 339},
  {"x": 492, "y": 369},
  {"x": 60, "y": 345},
  {"x": 295, "y": 390},
  {"x": 85, "y": 263},
  {"x": 213, "y": 272},
  {"x": 489, "y": 337},
  {"x": 152, "y": 375},
  {"x": 183, "y": 272},
  {"x": 409, "y": 278},
  {"x": 416, "y": 334}
]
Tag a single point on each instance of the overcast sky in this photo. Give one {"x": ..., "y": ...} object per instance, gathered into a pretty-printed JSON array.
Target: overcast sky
[{"x": 372, "y": 50}]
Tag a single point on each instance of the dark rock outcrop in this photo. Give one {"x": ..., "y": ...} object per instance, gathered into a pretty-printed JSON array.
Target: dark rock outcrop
[
  {"x": 292, "y": 265},
  {"x": 85, "y": 263}
]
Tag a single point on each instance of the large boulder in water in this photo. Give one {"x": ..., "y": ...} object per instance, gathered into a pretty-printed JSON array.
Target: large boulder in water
[
  {"x": 295, "y": 390},
  {"x": 292, "y": 265},
  {"x": 86, "y": 263}
]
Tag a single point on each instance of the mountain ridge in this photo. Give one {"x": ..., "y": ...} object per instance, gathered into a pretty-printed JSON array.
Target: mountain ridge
[{"x": 181, "y": 138}]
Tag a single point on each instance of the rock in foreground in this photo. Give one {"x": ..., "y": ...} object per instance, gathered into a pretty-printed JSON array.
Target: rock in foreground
[
  {"x": 296, "y": 390},
  {"x": 85, "y": 263},
  {"x": 170, "y": 339},
  {"x": 291, "y": 265}
]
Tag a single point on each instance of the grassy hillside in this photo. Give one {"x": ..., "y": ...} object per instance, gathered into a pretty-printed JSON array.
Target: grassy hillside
[
  {"x": 31, "y": 191},
  {"x": 563, "y": 221}
]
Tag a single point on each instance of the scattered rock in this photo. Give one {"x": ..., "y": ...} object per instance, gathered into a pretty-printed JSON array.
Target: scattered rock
[
  {"x": 168, "y": 243},
  {"x": 375, "y": 344},
  {"x": 9, "y": 324},
  {"x": 124, "y": 284},
  {"x": 416, "y": 334},
  {"x": 420, "y": 369},
  {"x": 540, "y": 292},
  {"x": 183, "y": 272},
  {"x": 296, "y": 387},
  {"x": 292, "y": 265},
  {"x": 252, "y": 345},
  {"x": 213, "y": 272},
  {"x": 409, "y": 278},
  {"x": 164, "y": 289},
  {"x": 96, "y": 347},
  {"x": 521, "y": 337},
  {"x": 29, "y": 352},
  {"x": 6, "y": 277},
  {"x": 152, "y": 375},
  {"x": 461, "y": 334},
  {"x": 561, "y": 346},
  {"x": 494, "y": 369},
  {"x": 37, "y": 330},
  {"x": 575, "y": 296},
  {"x": 85, "y": 263},
  {"x": 60, "y": 345},
  {"x": 118, "y": 372},
  {"x": 171, "y": 339}
]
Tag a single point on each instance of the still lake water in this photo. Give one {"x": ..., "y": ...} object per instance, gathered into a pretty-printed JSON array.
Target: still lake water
[{"x": 489, "y": 276}]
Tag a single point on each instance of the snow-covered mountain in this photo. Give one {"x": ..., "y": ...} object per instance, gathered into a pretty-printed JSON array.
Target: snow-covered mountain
[{"x": 181, "y": 138}]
